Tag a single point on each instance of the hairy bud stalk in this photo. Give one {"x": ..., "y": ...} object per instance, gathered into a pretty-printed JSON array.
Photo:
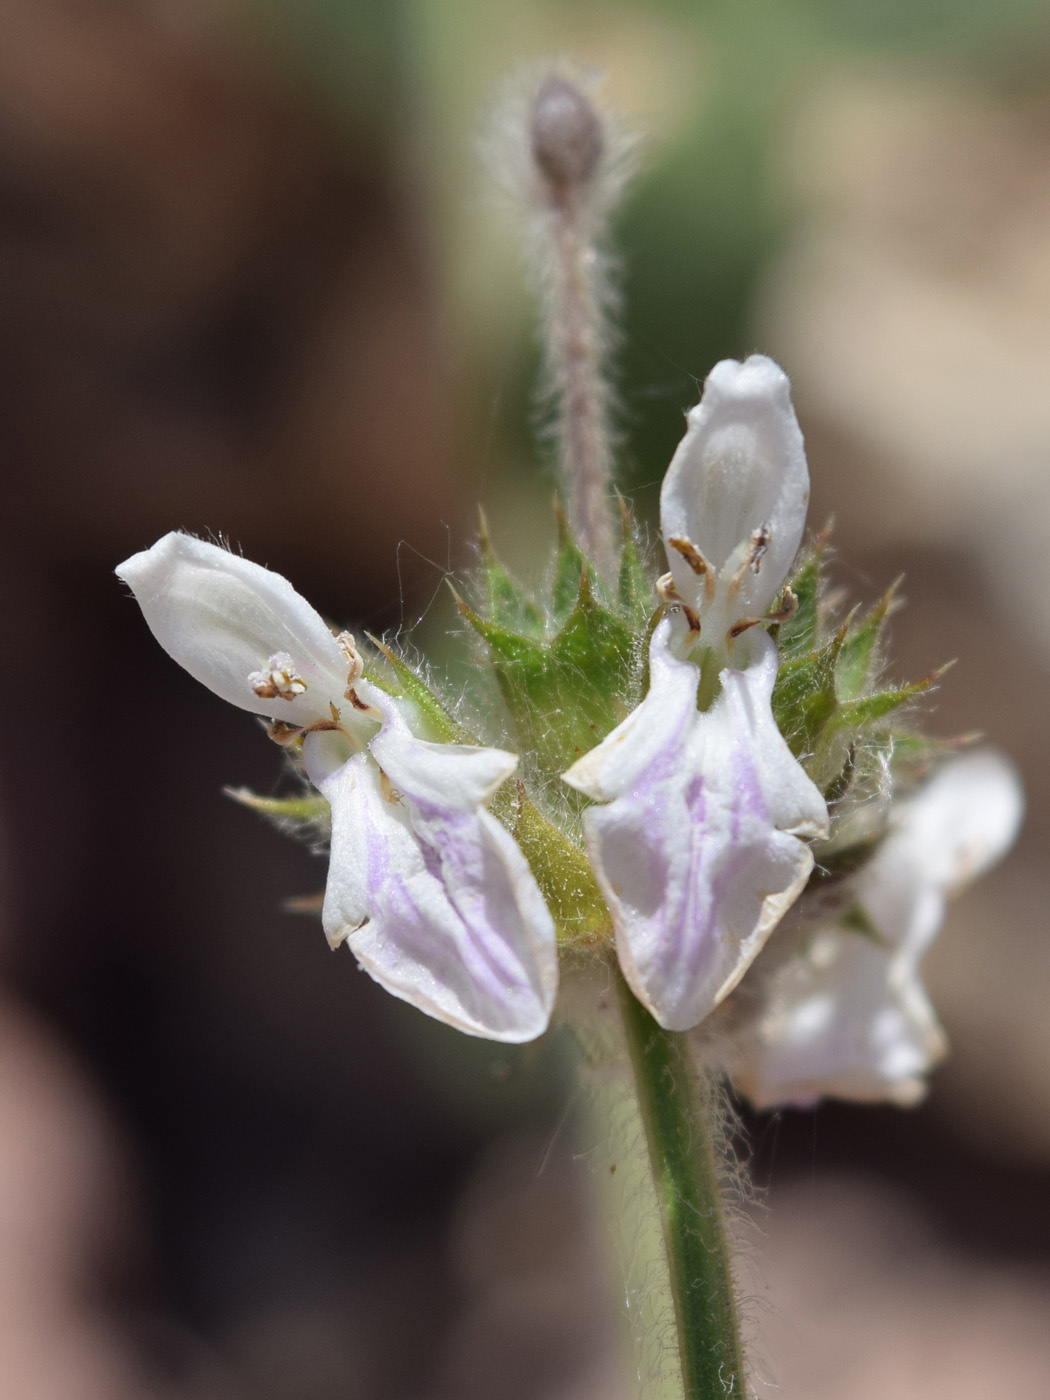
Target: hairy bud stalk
[
  {"x": 568, "y": 149},
  {"x": 563, "y": 161}
]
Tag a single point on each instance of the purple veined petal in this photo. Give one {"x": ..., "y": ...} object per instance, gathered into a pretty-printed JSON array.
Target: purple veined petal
[
  {"x": 847, "y": 1018},
  {"x": 437, "y": 903},
  {"x": 664, "y": 719},
  {"x": 688, "y": 852},
  {"x": 740, "y": 466},
  {"x": 222, "y": 618},
  {"x": 792, "y": 799}
]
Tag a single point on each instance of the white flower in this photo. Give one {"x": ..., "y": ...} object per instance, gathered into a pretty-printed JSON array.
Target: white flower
[
  {"x": 697, "y": 849},
  {"x": 848, "y": 1014},
  {"x": 431, "y": 893}
]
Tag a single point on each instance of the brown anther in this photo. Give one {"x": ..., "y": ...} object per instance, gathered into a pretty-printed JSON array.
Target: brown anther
[
  {"x": 760, "y": 539},
  {"x": 744, "y": 625},
  {"x": 349, "y": 647},
  {"x": 356, "y": 700},
  {"x": 666, "y": 590},
  {"x": 282, "y": 733},
  {"x": 389, "y": 792},
  {"x": 324, "y": 726},
  {"x": 668, "y": 593},
  {"x": 278, "y": 679},
  {"x": 789, "y": 609},
  {"x": 689, "y": 552}
]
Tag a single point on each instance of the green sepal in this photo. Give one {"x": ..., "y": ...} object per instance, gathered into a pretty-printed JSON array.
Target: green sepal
[
  {"x": 804, "y": 697},
  {"x": 506, "y": 604},
  {"x": 566, "y": 695},
  {"x": 859, "y": 658},
  {"x": 398, "y": 678},
  {"x": 562, "y": 872},
  {"x": 570, "y": 566},
  {"x": 634, "y": 589},
  {"x": 798, "y": 634},
  {"x": 856, "y": 920},
  {"x": 912, "y": 754},
  {"x": 855, "y": 714},
  {"x": 304, "y": 810}
]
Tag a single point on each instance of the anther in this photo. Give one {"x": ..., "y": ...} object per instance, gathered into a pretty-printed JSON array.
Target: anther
[
  {"x": 760, "y": 539},
  {"x": 282, "y": 733},
  {"x": 788, "y": 608},
  {"x": 278, "y": 680},
  {"x": 349, "y": 646},
  {"x": 689, "y": 552},
  {"x": 744, "y": 625},
  {"x": 666, "y": 590}
]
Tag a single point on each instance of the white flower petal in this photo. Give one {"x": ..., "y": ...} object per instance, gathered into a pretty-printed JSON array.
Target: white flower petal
[
  {"x": 688, "y": 852},
  {"x": 850, "y": 1016},
  {"x": 458, "y": 776},
  {"x": 740, "y": 466},
  {"x": 433, "y": 896},
  {"x": 844, "y": 1019},
  {"x": 963, "y": 820},
  {"x": 223, "y": 618}
]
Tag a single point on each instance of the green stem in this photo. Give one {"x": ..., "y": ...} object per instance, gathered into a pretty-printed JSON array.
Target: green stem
[{"x": 685, "y": 1175}]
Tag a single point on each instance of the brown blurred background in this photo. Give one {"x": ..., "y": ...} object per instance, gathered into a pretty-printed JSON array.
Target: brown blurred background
[{"x": 250, "y": 283}]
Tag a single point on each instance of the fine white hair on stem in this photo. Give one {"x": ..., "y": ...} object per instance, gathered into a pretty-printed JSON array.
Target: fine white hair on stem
[{"x": 563, "y": 158}]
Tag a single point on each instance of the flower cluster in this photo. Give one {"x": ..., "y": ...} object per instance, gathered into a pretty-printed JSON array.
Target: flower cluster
[{"x": 718, "y": 756}]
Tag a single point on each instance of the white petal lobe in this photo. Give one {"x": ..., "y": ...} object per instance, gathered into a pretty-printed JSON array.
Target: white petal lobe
[
  {"x": 741, "y": 467},
  {"x": 431, "y": 893},
  {"x": 847, "y": 1014},
  {"x": 224, "y": 619}
]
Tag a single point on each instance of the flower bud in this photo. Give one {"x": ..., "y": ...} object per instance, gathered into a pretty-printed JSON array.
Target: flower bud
[{"x": 566, "y": 134}]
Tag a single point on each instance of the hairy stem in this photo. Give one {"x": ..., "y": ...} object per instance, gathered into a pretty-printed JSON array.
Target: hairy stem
[
  {"x": 576, "y": 365},
  {"x": 685, "y": 1174}
]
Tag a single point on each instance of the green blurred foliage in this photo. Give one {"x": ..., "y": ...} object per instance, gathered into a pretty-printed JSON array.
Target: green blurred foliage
[{"x": 411, "y": 82}]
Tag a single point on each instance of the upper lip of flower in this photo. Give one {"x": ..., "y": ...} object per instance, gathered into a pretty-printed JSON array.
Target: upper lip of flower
[
  {"x": 734, "y": 500},
  {"x": 433, "y": 895}
]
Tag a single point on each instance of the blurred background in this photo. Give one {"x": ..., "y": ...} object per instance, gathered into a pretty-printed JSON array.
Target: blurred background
[{"x": 252, "y": 282}]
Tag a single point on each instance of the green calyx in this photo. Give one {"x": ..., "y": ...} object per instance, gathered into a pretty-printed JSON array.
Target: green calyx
[
  {"x": 829, "y": 701},
  {"x": 569, "y": 668},
  {"x": 846, "y": 726}
]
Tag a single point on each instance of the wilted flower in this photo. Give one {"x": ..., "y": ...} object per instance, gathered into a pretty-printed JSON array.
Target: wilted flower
[
  {"x": 842, "y": 1008},
  {"x": 431, "y": 893},
  {"x": 698, "y": 847}
]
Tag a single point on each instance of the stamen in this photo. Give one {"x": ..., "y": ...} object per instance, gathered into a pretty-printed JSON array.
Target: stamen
[
  {"x": 282, "y": 733},
  {"x": 753, "y": 551},
  {"x": 744, "y": 625},
  {"x": 787, "y": 611},
  {"x": 278, "y": 680},
  {"x": 696, "y": 561},
  {"x": 689, "y": 552},
  {"x": 666, "y": 590},
  {"x": 390, "y": 793},
  {"x": 349, "y": 645},
  {"x": 668, "y": 593},
  {"x": 760, "y": 540}
]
